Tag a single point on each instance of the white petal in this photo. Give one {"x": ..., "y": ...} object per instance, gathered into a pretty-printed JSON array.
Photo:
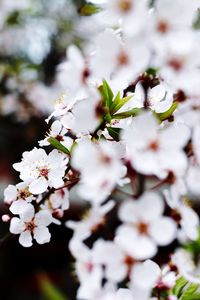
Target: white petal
[
  {"x": 17, "y": 226},
  {"x": 38, "y": 186},
  {"x": 150, "y": 206},
  {"x": 25, "y": 239},
  {"x": 145, "y": 275},
  {"x": 163, "y": 231},
  {"x": 28, "y": 213},
  {"x": 43, "y": 218},
  {"x": 10, "y": 193},
  {"x": 42, "y": 235},
  {"x": 18, "y": 207}
]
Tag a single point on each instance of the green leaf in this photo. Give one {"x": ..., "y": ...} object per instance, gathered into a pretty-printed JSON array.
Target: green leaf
[
  {"x": 164, "y": 116},
  {"x": 114, "y": 132},
  {"x": 190, "y": 292},
  {"x": 130, "y": 113},
  {"x": 57, "y": 145},
  {"x": 179, "y": 286},
  {"x": 119, "y": 103},
  {"x": 49, "y": 291},
  {"x": 107, "y": 94},
  {"x": 89, "y": 9}
]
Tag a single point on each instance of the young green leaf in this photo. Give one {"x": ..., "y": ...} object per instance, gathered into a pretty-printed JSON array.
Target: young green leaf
[
  {"x": 107, "y": 94},
  {"x": 164, "y": 116},
  {"x": 190, "y": 292},
  {"x": 57, "y": 145},
  {"x": 130, "y": 113},
  {"x": 119, "y": 103},
  {"x": 179, "y": 286}
]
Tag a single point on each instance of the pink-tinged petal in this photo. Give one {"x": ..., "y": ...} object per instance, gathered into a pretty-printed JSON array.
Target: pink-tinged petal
[
  {"x": 43, "y": 218},
  {"x": 17, "y": 226},
  {"x": 28, "y": 213},
  {"x": 25, "y": 239},
  {"x": 38, "y": 186},
  {"x": 10, "y": 194},
  {"x": 42, "y": 235},
  {"x": 18, "y": 207},
  {"x": 145, "y": 275},
  {"x": 163, "y": 231}
]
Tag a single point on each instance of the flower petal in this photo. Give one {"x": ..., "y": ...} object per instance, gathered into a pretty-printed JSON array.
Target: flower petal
[
  {"x": 25, "y": 239},
  {"x": 42, "y": 235},
  {"x": 17, "y": 226},
  {"x": 38, "y": 186},
  {"x": 163, "y": 231}
]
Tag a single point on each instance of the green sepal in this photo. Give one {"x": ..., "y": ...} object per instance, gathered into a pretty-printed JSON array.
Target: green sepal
[
  {"x": 57, "y": 145},
  {"x": 114, "y": 133},
  {"x": 89, "y": 9}
]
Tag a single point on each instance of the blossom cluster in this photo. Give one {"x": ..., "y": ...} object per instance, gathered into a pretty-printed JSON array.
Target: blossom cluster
[{"x": 126, "y": 133}]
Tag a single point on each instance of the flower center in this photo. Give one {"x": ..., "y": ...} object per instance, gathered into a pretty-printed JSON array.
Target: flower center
[
  {"x": 89, "y": 267},
  {"x": 163, "y": 27},
  {"x": 30, "y": 226},
  {"x": 122, "y": 59},
  {"x": 44, "y": 172},
  {"x": 125, "y": 5},
  {"x": 176, "y": 64},
  {"x": 85, "y": 75},
  {"x": 143, "y": 228},
  {"x": 23, "y": 194},
  {"x": 154, "y": 146}
]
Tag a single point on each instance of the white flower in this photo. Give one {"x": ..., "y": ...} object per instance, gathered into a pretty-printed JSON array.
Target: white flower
[
  {"x": 182, "y": 259},
  {"x": 116, "y": 262},
  {"x": 121, "y": 61},
  {"x": 73, "y": 73},
  {"x": 31, "y": 225},
  {"x": 83, "y": 117},
  {"x": 144, "y": 226},
  {"x": 160, "y": 98},
  {"x": 153, "y": 151},
  {"x": 91, "y": 221},
  {"x": 130, "y": 14},
  {"x": 59, "y": 133},
  {"x": 89, "y": 274},
  {"x": 57, "y": 203},
  {"x": 18, "y": 196},
  {"x": 166, "y": 11},
  {"x": 145, "y": 275},
  {"x": 42, "y": 170},
  {"x": 187, "y": 218},
  {"x": 100, "y": 169}
]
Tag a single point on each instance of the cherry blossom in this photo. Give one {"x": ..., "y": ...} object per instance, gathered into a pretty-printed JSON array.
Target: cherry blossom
[
  {"x": 42, "y": 170},
  {"x": 157, "y": 150},
  {"x": 143, "y": 226},
  {"x": 30, "y": 225}
]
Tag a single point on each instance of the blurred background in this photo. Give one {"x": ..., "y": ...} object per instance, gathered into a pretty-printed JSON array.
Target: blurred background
[{"x": 34, "y": 36}]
